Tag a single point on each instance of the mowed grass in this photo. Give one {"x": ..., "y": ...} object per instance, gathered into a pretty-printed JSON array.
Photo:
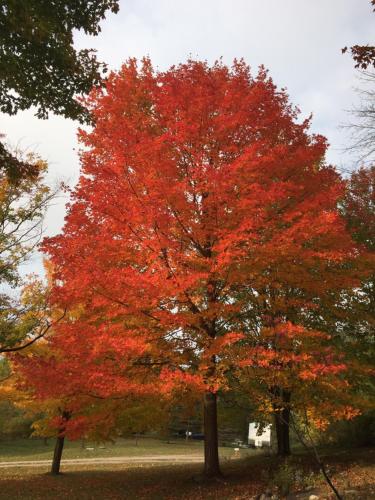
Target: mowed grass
[
  {"x": 36, "y": 449},
  {"x": 351, "y": 470}
]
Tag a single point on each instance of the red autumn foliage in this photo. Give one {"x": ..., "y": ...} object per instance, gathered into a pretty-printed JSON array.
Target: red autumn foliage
[{"x": 199, "y": 193}]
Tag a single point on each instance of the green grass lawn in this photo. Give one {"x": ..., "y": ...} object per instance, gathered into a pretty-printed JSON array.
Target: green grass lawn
[{"x": 35, "y": 449}]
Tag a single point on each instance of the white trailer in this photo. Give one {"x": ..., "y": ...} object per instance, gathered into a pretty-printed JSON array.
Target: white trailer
[{"x": 259, "y": 438}]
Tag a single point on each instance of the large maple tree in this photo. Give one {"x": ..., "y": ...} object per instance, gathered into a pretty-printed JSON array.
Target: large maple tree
[{"x": 200, "y": 192}]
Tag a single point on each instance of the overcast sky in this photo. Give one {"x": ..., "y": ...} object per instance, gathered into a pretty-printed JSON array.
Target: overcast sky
[{"x": 299, "y": 41}]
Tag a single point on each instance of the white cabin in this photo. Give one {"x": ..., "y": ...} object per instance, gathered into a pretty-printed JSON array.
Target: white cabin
[{"x": 259, "y": 439}]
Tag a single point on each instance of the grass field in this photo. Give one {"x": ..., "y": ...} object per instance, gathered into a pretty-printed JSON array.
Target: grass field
[
  {"x": 35, "y": 449},
  {"x": 353, "y": 472}
]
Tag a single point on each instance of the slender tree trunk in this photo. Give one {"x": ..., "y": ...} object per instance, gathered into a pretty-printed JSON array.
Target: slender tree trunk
[
  {"x": 57, "y": 455},
  {"x": 211, "y": 452},
  {"x": 59, "y": 446}
]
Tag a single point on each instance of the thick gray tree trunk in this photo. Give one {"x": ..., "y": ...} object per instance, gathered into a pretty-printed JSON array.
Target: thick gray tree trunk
[{"x": 211, "y": 450}]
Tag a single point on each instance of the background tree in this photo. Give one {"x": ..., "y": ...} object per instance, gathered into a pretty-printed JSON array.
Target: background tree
[
  {"x": 295, "y": 373},
  {"x": 358, "y": 327},
  {"x": 12, "y": 167},
  {"x": 363, "y": 55},
  {"x": 39, "y": 65},
  {"x": 358, "y": 206},
  {"x": 23, "y": 203},
  {"x": 363, "y": 136},
  {"x": 347, "y": 315},
  {"x": 95, "y": 390},
  {"x": 14, "y": 422},
  {"x": 353, "y": 310},
  {"x": 121, "y": 392},
  {"x": 362, "y": 127}
]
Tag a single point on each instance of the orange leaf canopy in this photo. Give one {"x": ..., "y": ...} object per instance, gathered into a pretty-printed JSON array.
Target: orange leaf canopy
[{"x": 199, "y": 189}]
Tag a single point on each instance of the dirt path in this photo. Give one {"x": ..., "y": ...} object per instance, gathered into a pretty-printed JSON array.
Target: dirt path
[{"x": 170, "y": 459}]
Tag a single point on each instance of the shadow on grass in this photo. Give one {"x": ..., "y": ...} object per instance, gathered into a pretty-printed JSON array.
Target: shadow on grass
[
  {"x": 156, "y": 482},
  {"x": 243, "y": 479}
]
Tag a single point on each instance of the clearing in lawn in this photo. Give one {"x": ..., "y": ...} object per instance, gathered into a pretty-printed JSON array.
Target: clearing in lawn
[{"x": 36, "y": 449}]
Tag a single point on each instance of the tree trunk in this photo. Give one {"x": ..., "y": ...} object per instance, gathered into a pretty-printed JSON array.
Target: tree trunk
[
  {"x": 57, "y": 455},
  {"x": 282, "y": 417},
  {"x": 211, "y": 441},
  {"x": 55, "y": 469},
  {"x": 282, "y": 432},
  {"x": 211, "y": 452}
]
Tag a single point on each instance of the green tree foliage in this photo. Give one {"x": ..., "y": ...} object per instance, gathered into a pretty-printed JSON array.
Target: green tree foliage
[
  {"x": 13, "y": 167},
  {"x": 39, "y": 65},
  {"x": 359, "y": 206},
  {"x": 13, "y": 420},
  {"x": 358, "y": 304}
]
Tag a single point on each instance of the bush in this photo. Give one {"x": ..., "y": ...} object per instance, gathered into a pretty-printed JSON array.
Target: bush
[
  {"x": 13, "y": 423},
  {"x": 352, "y": 433},
  {"x": 289, "y": 476}
]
